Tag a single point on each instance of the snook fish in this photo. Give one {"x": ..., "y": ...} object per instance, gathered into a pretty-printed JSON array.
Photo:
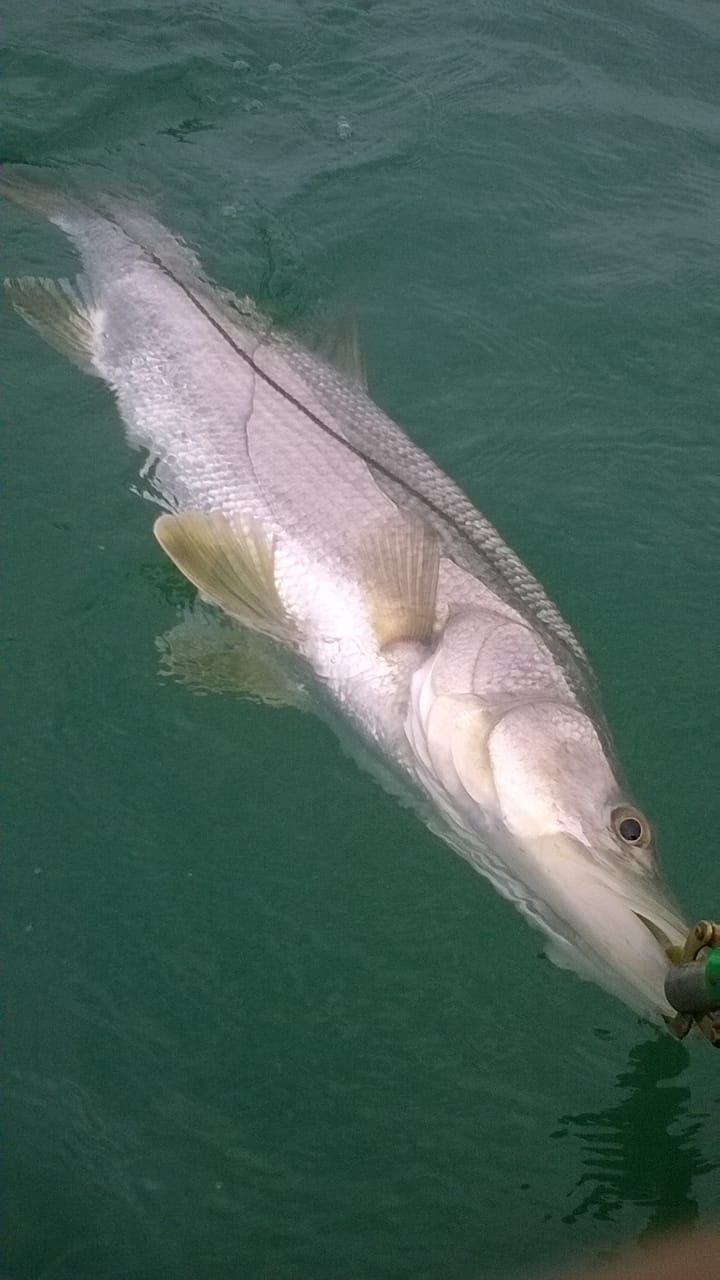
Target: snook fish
[{"x": 301, "y": 511}]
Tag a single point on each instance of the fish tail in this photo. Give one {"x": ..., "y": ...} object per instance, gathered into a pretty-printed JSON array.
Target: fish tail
[
  {"x": 34, "y": 189},
  {"x": 37, "y": 190}
]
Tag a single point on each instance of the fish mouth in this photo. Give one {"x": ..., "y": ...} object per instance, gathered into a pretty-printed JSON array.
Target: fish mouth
[
  {"x": 662, "y": 939},
  {"x": 609, "y": 925},
  {"x": 688, "y": 961},
  {"x": 633, "y": 958}
]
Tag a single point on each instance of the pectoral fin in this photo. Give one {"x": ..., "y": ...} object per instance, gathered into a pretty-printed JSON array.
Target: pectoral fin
[
  {"x": 399, "y": 564},
  {"x": 231, "y": 562},
  {"x": 63, "y": 313}
]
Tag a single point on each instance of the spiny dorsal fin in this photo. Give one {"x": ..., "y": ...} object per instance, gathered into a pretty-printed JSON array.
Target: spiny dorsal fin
[
  {"x": 340, "y": 346},
  {"x": 62, "y": 312},
  {"x": 212, "y": 656},
  {"x": 399, "y": 564},
  {"x": 231, "y": 562}
]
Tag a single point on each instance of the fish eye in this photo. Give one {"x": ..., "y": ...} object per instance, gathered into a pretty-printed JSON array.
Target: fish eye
[{"x": 631, "y": 826}]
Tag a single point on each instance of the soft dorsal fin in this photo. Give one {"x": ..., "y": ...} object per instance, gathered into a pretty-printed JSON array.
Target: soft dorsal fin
[
  {"x": 399, "y": 565},
  {"x": 61, "y": 311},
  {"x": 232, "y": 563},
  {"x": 340, "y": 346}
]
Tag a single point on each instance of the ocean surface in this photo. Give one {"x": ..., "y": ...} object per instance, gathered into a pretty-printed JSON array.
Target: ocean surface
[{"x": 257, "y": 1021}]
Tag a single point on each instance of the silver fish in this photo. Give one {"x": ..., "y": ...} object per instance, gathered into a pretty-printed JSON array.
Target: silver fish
[{"x": 301, "y": 511}]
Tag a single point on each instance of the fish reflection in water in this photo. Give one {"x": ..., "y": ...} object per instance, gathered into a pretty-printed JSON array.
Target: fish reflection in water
[{"x": 642, "y": 1150}]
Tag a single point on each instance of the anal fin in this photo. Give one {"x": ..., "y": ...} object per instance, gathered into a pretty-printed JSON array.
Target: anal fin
[
  {"x": 61, "y": 311},
  {"x": 399, "y": 565},
  {"x": 232, "y": 563}
]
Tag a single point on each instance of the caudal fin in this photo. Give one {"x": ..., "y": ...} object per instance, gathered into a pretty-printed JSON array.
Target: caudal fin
[{"x": 35, "y": 189}]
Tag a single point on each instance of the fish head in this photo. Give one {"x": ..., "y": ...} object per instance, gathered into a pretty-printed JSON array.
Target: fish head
[
  {"x": 554, "y": 830},
  {"x": 585, "y": 849}
]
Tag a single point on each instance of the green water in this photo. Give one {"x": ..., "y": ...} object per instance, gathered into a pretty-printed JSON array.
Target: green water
[{"x": 257, "y": 1021}]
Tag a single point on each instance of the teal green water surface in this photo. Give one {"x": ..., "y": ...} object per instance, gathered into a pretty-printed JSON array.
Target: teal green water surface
[{"x": 258, "y": 1022}]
